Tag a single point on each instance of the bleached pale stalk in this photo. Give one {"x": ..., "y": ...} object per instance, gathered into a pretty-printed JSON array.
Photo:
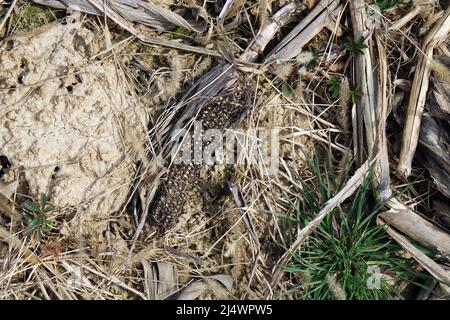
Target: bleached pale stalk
[
  {"x": 307, "y": 29},
  {"x": 350, "y": 187},
  {"x": 382, "y": 172},
  {"x": 226, "y": 8},
  {"x": 418, "y": 94},
  {"x": 364, "y": 77},
  {"x": 416, "y": 227},
  {"x": 431, "y": 266},
  {"x": 275, "y": 23},
  {"x": 405, "y": 19}
]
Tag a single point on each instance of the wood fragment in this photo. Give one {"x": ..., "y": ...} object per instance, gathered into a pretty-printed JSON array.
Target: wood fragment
[
  {"x": 419, "y": 91},
  {"x": 364, "y": 67},
  {"x": 416, "y": 227},
  {"x": 382, "y": 172},
  {"x": 431, "y": 266},
  {"x": 303, "y": 32}
]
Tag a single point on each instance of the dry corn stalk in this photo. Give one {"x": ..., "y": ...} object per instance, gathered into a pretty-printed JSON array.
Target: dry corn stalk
[
  {"x": 364, "y": 66},
  {"x": 416, "y": 227},
  {"x": 138, "y": 11},
  {"x": 431, "y": 266},
  {"x": 124, "y": 11},
  {"x": 307, "y": 29},
  {"x": 382, "y": 172},
  {"x": 418, "y": 95}
]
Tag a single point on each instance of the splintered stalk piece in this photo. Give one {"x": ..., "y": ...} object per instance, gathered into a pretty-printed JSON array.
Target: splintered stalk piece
[
  {"x": 307, "y": 29},
  {"x": 365, "y": 78},
  {"x": 418, "y": 95},
  {"x": 276, "y": 22},
  {"x": 382, "y": 172}
]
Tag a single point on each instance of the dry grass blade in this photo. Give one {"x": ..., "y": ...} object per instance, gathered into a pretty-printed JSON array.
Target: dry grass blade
[
  {"x": 196, "y": 288},
  {"x": 12, "y": 240},
  {"x": 237, "y": 195},
  {"x": 418, "y": 95},
  {"x": 350, "y": 187},
  {"x": 7, "y": 207}
]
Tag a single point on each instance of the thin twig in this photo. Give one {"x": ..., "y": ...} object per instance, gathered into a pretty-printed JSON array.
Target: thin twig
[{"x": 8, "y": 13}]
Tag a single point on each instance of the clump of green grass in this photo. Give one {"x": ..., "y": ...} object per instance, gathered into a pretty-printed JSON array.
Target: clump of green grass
[
  {"x": 37, "y": 223},
  {"x": 348, "y": 256}
]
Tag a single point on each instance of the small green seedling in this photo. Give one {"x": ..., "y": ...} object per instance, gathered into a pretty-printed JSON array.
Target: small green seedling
[
  {"x": 385, "y": 5},
  {"x": 334, "y": 85},
  {"x": 355, "y": 94},
  {"x": 180, "y": 33},
  {"x": 348, "y": 256},
  {"x": 38, "y": 223},
  {"x": 355, "y": 46}
]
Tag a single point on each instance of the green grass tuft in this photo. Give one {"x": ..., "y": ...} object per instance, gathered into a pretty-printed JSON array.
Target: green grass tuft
[
  {"x": 348, "y": 256},
  {"x": 37, "y": 223}
]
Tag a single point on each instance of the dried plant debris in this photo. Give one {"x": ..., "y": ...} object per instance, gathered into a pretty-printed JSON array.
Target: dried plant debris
[
  {"x": 103, "y": 110},
  {"x": 219, "y": 113},
  {"x": 144, "y": 12}
]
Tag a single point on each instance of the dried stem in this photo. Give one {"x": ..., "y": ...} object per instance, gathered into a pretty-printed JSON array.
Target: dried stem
[{"x": 418, "y": 95}]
